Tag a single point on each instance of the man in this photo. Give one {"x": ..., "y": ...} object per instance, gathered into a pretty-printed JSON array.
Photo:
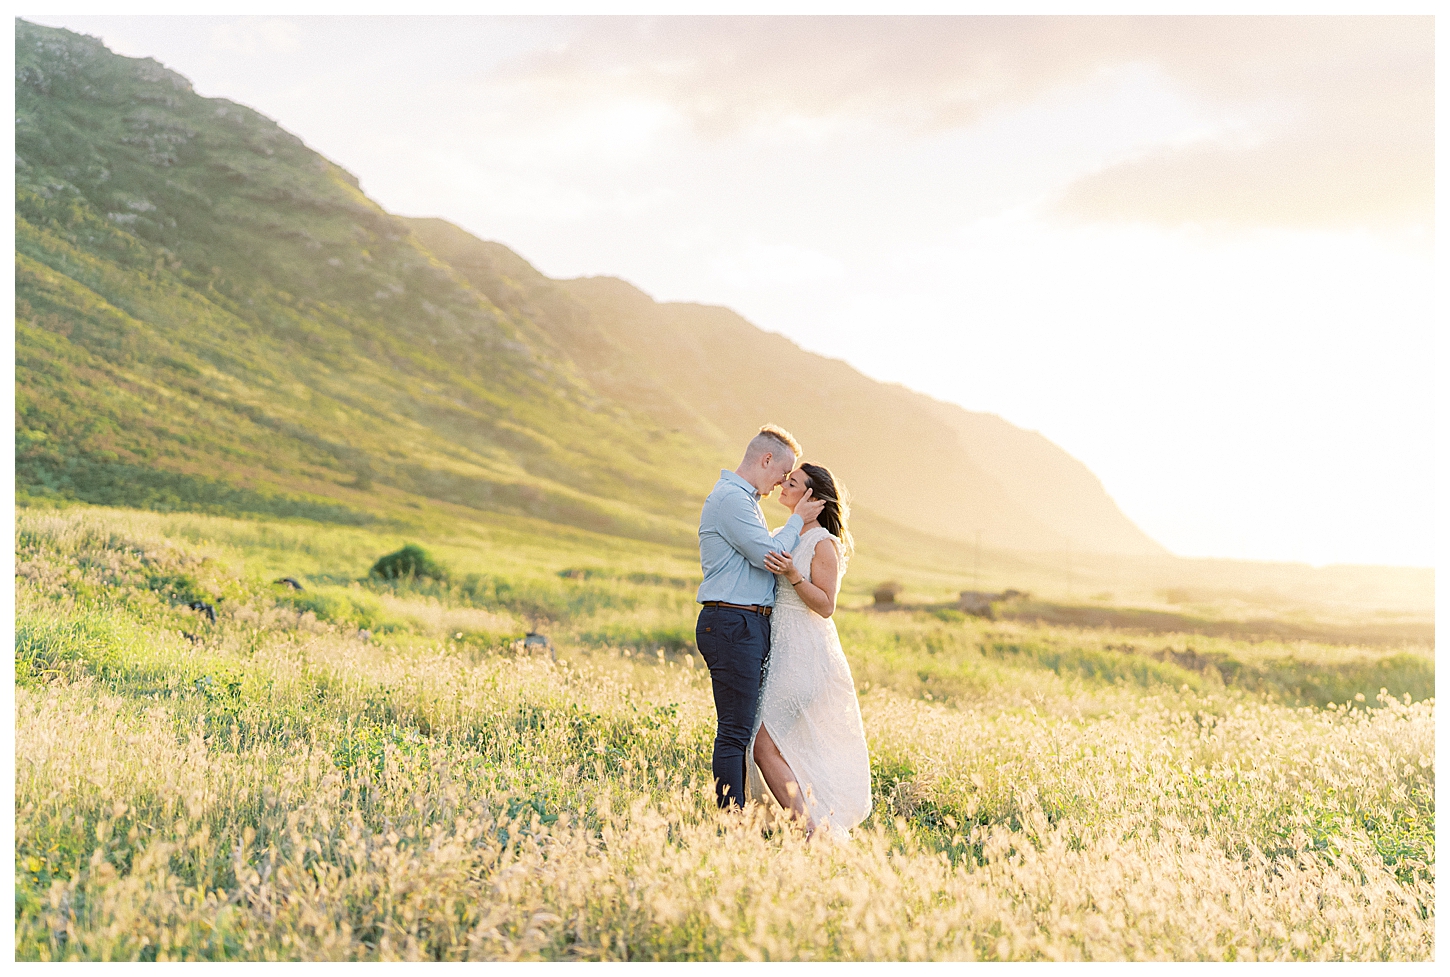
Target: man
[{"x": 738, "y": 592}]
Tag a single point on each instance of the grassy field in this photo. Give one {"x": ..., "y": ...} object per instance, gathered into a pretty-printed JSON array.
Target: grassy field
[{"x": 376, "y": 770}]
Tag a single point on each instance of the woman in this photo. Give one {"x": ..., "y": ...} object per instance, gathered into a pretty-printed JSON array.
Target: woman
[{"x": 809, "y": 746}]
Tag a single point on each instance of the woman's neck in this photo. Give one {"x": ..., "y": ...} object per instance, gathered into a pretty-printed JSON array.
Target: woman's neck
[{"x": 813, "y": 524}]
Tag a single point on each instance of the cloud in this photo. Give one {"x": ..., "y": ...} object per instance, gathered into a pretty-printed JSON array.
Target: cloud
[
  {"x": 1344, "y": 134},
  {"x": 732, "y": 73},
  {"x": 1313, "y": 120},
  {"x": 1319, "y": 180},
  {"x": 255, "y": 36}
]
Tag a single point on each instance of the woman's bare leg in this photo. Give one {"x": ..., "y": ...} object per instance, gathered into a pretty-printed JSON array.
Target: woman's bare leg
[{"x": 780, "y": 778}]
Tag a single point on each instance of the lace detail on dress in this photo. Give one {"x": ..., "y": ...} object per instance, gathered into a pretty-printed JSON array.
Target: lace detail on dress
[{"x": 808, "y": 702}]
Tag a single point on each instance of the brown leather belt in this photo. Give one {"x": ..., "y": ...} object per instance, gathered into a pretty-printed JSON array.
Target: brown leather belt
[{"x": 757, "y": 608}]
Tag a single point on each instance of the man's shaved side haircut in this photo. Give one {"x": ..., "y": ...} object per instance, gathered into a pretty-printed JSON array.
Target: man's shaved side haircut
[{"x": 774, "y": 439}]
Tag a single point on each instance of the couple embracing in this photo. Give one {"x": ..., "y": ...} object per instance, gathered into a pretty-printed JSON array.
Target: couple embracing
[{"x": 785, "y": 702}]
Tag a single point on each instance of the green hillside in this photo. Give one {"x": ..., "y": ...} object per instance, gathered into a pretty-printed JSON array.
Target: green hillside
[{"x": 212, "y": 316}]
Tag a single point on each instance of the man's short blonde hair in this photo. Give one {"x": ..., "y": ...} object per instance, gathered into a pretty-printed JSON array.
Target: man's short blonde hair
[{"x": 774, "y": 439}]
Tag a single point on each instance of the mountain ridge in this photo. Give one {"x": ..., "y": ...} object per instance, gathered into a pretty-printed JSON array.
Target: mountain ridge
[
  {"x": 205, "y": 270},
  {"x": 211, "y": 315},
  {"x": 636, "y": 350}
]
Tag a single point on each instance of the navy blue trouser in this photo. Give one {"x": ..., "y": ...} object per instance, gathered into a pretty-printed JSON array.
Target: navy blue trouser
[{"x": 736, "y": 646}]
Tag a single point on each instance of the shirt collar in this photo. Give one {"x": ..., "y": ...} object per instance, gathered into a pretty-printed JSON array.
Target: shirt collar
[{"x": 732, "y": 477}]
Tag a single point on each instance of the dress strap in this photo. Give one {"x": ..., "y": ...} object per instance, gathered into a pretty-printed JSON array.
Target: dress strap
[
  {"x": 813, "y": 537},
  {"x": 816, "y": 535}
]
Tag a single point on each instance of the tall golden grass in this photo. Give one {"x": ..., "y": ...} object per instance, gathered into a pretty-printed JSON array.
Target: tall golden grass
[{"x": 278, "y": 788}]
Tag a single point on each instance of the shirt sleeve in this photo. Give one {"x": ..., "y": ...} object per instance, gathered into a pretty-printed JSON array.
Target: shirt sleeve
[{"x": 741, "y": 526}]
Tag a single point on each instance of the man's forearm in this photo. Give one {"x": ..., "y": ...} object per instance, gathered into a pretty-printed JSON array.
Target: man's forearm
[{"x": 753, "y": 541}]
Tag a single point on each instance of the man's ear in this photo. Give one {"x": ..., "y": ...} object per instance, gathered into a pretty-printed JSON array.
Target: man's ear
[{"x": 765, "y": 459}]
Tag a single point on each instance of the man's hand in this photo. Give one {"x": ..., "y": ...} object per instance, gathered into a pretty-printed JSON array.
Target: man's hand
[{"x": 808, "y": 508}]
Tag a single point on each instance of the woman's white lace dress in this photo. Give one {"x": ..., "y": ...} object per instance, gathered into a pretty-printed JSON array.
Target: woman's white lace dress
[{"x": 808, "y": 704}]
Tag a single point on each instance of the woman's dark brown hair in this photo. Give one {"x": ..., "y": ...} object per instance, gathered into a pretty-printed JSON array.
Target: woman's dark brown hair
[{"x": 833, "y": 517}]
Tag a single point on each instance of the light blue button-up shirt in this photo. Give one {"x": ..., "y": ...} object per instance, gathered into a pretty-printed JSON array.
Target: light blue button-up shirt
[{"x": 733, "y": 543}]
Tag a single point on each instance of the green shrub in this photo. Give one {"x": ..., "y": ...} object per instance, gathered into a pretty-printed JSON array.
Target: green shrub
[{"x": 410, "y": 562}]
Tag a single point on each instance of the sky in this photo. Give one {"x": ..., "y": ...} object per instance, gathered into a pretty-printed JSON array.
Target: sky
[{"x": 1196, "y": 253}]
